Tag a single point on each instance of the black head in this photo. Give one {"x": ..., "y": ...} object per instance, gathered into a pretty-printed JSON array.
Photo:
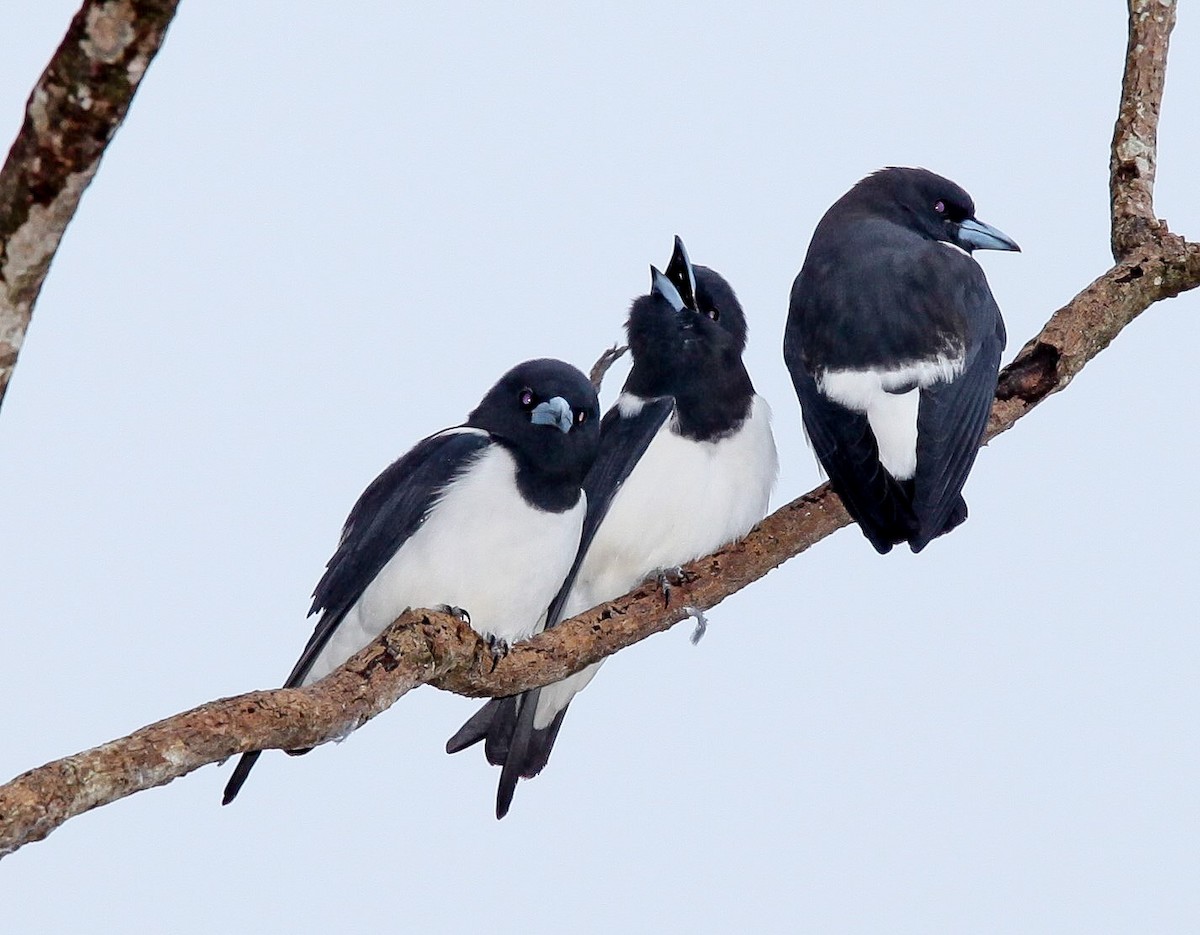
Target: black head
[
  {"x": 547, "y": 414},
  {"x": 690, "y": 325},
  {"x": 925, "y": 203}
]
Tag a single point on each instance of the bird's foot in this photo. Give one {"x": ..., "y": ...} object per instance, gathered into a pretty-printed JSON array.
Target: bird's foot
[
  {"x": 668, "y": 578},
  {"x": 498, "y": 647},
  {"x": 454, "y": 612},
  {"x": 701, "y": 623}
]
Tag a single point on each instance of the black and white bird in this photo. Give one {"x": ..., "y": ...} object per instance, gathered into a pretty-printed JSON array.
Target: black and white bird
[
  {"x": 687, "y": 463},
  {"x": 893, "y": 341},
  {"x": 485, "y": 517}
]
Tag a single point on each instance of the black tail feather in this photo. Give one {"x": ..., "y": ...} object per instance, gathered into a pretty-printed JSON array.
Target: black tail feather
[
  {"x": 476, "y": 729},
  {"x": 503, "y": 727},
  {"x": 541, "y": 742},
  {"x": 517, "y": 752},
  {"x": 510, "y": 741},
  {"x": 528, "y": 752},
  {"x": 240, "y": 772}
]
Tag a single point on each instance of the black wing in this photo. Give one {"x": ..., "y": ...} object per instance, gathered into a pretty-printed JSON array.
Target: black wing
[
  {"x": 390, "y": 510},
  {"x": 897, "y": 302},
  {"x": 623, "y": 441},
  {"x": 845, "y": 445},
  {"x": 507, "y": 723},
  {"x": 952, "y": 418}
]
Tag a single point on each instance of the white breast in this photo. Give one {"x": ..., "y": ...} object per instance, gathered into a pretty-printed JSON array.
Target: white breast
[
  {"x": 683, "y": 500},
  {"x": 482, "y": 548}
]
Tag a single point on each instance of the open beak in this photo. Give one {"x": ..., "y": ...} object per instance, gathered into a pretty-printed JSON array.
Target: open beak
[
  {"x": 681, "y": 274},
  {"x": 661, "y": 285}
]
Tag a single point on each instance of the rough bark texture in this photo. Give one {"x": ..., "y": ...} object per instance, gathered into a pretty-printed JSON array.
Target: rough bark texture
[
  {"x": 37, "y": 802},
  {"x": 1134, "y": 156},
  {"x": 74, "y": 110},
  {"x": 604, "y": 362},
  {"x": 429, "y": 648}
]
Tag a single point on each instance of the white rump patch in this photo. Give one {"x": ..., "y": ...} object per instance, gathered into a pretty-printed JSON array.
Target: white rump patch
[
  {"x": 893, "y": 420},
  {"x": 892, "y": 415},
  {"x": 858, "y": 389}
]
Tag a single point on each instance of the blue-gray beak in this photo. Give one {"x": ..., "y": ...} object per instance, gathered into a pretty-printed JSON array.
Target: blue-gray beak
[
  {"x": 556, "y": 412},
  {"x": 975, "y": 235}
]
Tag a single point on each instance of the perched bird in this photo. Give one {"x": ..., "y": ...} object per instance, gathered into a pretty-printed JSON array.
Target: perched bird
[
  {"x": 893, "y": 341},
  {"x": 687, "y": 463},
  {"x": 484, "y": 517}
]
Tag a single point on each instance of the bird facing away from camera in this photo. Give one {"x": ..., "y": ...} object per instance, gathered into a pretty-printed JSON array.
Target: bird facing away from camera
[{"x": 893, "y": 341}]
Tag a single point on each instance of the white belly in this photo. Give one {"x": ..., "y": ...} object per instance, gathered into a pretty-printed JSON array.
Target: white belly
[
  {"x": 482, "y": 548},
  {"x": 683, "y": 500}
]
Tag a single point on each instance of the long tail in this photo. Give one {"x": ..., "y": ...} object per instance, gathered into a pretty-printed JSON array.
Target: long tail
[
  {"x": 247, "y": 760},
  {"x": 494, "y": 722},
  {"x": 240, "y": 772},
  {"x": 510, "y": 741}
]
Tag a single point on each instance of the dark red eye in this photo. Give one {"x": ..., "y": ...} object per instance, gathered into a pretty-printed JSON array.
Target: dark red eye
[
  {"x": 580, "y": 416},
  {"x": 527, "y": 398},
  {"x": 939, "y": 207}
]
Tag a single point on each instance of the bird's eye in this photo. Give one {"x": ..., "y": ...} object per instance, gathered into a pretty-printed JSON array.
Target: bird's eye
[
  {"x": 581, "y": 416},
  {"x": 527, "y": 398},
  {"x": 712, "y": 313},
  {"x": 939, "y": 207}
]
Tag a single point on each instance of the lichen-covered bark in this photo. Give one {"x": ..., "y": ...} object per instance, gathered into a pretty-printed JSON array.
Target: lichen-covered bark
[
  {"x": 1160, "y": 268},
  {"x": 37, "y": 802},
  {"x": 428, "y": 648},
  {"x": 1134, "y": 156},
  {"x": 74, "y": 110}
]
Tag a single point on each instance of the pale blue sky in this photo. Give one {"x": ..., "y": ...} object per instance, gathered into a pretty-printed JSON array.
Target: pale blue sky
[{"x": 326, "y": 229}]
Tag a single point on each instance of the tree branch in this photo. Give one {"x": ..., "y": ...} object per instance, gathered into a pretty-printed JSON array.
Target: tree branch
[
  {"x": 604, "y": 362},
  {"x": 74, "y": 111},
  {"x": 424, "y": 647},
  {"x": 1134, "y": 158}
]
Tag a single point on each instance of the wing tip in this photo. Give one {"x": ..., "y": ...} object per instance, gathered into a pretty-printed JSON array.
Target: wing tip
[{"x": 954, "y": 516}]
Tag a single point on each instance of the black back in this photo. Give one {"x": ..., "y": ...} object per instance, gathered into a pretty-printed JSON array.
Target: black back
[
  {"x": 880, "y": 289},
  {"x": 551, "y": 466}
]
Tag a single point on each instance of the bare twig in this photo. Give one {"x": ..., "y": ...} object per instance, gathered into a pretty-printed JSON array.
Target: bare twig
[
  {"x": 603, "y": 362},
  {"x": 74, "y": 111},
  {"x": 428, "y": 648}
]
